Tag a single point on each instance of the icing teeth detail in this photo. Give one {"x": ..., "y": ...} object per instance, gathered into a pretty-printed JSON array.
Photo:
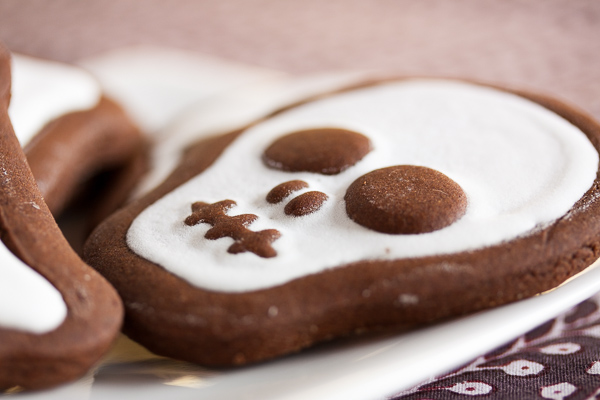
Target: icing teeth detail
[
  {"x": 306, "y": 203},
  {"x": 516, "y": 165},
  {"x": 234, "y": 227},
  {"x": 283, "y": 190}
]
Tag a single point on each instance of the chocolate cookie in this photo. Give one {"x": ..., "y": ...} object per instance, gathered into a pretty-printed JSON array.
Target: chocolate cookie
[
  {"x": 71, "y": 132},
  {"x": 447, "y": 197},
  {"x": 57, "y": 315}
]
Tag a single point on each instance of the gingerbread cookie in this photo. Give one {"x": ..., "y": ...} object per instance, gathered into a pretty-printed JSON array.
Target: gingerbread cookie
[
  {"x": 382, "y": 206},
  {"x": 57, "y": 315},
  {"x": 71, "y": 132}
]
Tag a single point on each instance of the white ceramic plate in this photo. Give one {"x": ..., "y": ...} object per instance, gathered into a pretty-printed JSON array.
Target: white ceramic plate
[{"x": 361, "y": 369}]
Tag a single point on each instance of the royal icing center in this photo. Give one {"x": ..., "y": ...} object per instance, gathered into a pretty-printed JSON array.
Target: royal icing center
[{"x": 518, "y": 165}]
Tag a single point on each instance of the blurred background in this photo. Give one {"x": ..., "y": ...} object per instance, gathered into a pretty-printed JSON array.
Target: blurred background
[{"x": 551, "y": 45}]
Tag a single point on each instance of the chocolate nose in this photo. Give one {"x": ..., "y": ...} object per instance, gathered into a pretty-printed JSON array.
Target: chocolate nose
[
  {"x": 326, "y": 151},
  {"x": 405, "y": 199}
]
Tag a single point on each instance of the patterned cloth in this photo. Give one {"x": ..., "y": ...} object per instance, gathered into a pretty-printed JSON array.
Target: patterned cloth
[{"x": 558, "y": 360}]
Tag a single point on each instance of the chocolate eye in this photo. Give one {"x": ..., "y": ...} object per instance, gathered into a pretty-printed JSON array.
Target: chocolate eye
[
  {"x": 405, "y": 199},
  {"x": 326, "y": 151}
]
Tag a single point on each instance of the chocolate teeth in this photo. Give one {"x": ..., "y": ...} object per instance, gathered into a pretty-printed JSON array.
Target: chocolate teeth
[{"x": 234, "y": 227}]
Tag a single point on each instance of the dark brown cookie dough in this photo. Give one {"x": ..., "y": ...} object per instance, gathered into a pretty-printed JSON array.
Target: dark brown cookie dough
[
  {"x": 94, "y": 315},
  {"x": 405, "y": 199},
  {"x": 362, "y": 296},
  {"x": 326, "y": 151}
]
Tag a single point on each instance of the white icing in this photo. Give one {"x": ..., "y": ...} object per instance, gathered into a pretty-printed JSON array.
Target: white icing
[
  {"x": 28, "y": 302},
  {"x": 520, "y": 165},
  {"x": 154, "y": 84},
  {"x": 44, "y": 90},
  {"x": 232, "y": 110}
]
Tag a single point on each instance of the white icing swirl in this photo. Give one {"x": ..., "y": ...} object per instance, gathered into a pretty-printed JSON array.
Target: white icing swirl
[
  {"x": 28, "y": 302},
  {"x": 44, "y": 90},
  {"x": 520, "y": 165}
]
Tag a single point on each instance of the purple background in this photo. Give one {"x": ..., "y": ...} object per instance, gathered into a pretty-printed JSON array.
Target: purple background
[{"x": 551, "y": 46}]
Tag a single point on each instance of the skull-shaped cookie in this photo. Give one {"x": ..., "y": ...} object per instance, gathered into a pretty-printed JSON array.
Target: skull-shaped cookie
[{"x": 381, "y": 206}]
